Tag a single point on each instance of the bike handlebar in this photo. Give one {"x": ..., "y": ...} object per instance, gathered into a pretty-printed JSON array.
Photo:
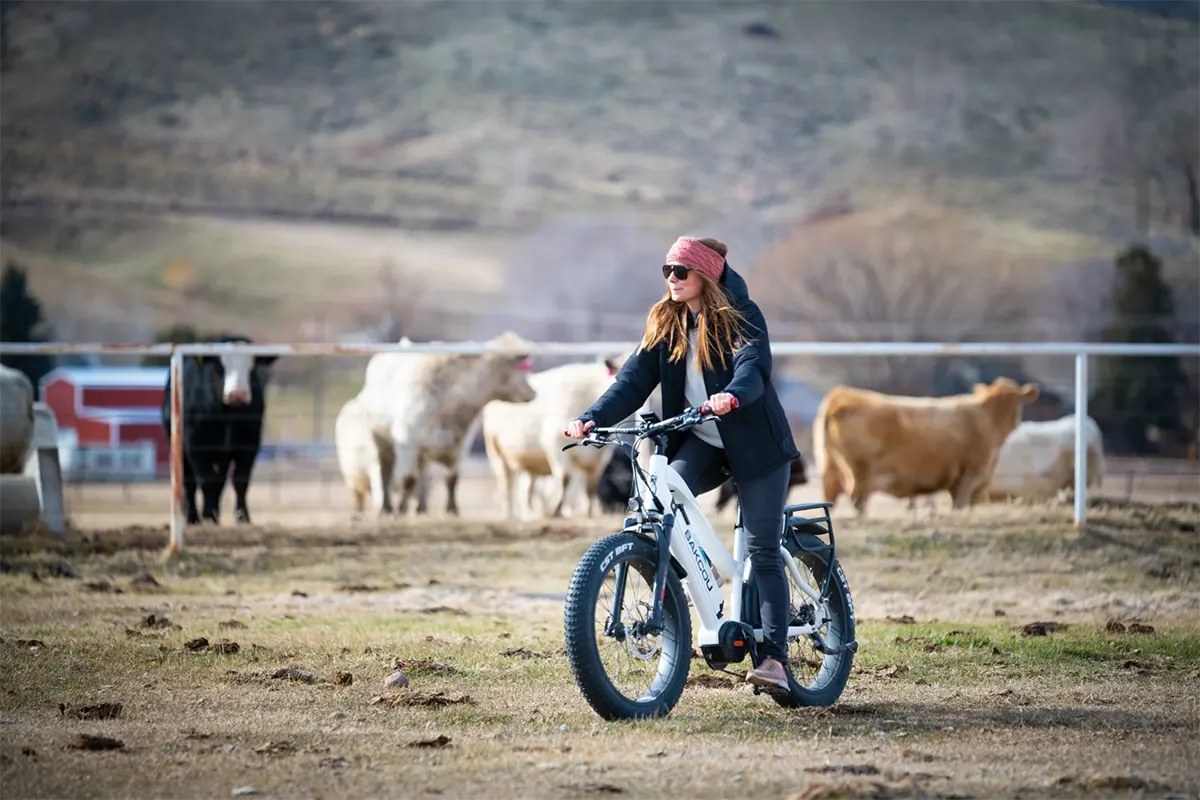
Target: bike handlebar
[{"x": 690, "y": 418}]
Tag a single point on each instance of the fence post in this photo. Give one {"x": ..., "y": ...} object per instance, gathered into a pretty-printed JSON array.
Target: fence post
[
  {"x": 1081, "y": 445},
  {"x": 178, "y": 520}
]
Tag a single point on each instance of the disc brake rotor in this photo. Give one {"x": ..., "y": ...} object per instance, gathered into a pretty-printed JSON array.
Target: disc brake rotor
[{"x": 643, "y": 648}]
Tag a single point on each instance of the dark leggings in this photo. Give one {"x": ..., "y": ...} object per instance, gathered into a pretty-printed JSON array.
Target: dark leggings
[{"x": 762, "y": 500}]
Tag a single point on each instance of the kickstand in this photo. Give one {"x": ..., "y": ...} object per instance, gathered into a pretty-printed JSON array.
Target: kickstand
[{"x": 739, "y": 675}]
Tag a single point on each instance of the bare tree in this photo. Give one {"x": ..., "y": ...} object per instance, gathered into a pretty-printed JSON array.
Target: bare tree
[
  {"x": 401, "y": 305},
  {"x": 1183, "y": 276},
  {"x": 1071, "y": 305},
  {"x": 1144, "y": 135},
  {"x": 1177, "y": 134},
  {"x": 578, "y": 277},
  {"x": 914, "y": 291},
  {"x": 1108, "y": 139}
]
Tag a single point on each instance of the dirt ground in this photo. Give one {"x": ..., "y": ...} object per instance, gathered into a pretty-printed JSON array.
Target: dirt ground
[{"x": 949, "y": 697}]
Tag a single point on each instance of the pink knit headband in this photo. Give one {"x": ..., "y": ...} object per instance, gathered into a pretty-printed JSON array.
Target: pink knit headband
[{"x": 692, "y": 253}]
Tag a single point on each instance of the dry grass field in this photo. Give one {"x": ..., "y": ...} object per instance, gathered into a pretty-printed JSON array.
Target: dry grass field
[{"x": 949, "y": 698}]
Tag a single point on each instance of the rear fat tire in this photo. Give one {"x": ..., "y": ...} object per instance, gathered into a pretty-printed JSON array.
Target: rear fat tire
[
  {"x": 579, "y": 623},
  {"x": 841, "y": 612}
]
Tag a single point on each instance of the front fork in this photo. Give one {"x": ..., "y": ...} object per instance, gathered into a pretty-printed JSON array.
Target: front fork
[
  {"x": 654, "y": 624},
  {"x": 662, "y": 536},
  {"x": 614, "y": 628}
]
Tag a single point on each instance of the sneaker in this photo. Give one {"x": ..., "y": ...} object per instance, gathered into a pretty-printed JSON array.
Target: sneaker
[{"x": 769, "y": 673}]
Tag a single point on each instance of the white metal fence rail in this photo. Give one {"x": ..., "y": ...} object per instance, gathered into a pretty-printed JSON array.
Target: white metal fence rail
[{"x": 1080, "y": 351}]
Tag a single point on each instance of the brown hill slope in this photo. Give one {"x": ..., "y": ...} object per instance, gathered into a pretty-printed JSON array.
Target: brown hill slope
[{"x": 495, "y": 116}]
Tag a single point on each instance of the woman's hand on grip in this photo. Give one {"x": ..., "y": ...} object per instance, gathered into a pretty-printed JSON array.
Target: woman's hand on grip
[
  {"x": 721, "y": 403},
  {"x": 577, "y": 428}
]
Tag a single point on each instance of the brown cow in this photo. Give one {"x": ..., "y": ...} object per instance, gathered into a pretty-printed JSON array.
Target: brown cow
[{"x": 866, "y": 442}]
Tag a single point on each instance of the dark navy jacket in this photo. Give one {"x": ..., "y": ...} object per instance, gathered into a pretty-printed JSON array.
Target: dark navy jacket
[{"x": 756, "y": 435}]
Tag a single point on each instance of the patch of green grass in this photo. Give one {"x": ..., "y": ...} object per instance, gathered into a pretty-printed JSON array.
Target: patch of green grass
[{"x": 947, "y": 652}]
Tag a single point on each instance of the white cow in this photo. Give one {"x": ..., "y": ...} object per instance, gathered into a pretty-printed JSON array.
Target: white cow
[
  {"x": 16, "y": 419},
  {"x": 1037, "y": 460},
  {"x": 525, "y": 440},
  {"x": 416, "y": 407},
  {"x": 364, "y": 454}
]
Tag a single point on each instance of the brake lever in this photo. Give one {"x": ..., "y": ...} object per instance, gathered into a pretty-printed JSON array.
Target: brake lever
[{"x": 590, "y": 441}]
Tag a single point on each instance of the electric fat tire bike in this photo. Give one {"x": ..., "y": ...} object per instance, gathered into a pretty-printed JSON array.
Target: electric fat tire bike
[{"x": 627, "y": 624}]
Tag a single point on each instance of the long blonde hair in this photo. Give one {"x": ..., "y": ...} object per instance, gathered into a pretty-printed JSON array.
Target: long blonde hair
[{"x": 720, "y": 326}]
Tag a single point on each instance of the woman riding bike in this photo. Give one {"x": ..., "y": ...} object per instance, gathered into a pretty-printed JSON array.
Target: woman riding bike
[{"x": 706, "y": 342}]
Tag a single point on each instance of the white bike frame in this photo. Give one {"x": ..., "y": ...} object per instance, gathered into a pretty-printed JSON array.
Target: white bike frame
[{"x": 692, "y": 531}]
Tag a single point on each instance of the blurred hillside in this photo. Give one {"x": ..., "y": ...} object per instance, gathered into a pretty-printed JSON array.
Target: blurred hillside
[{"x": 305, "y": 167}]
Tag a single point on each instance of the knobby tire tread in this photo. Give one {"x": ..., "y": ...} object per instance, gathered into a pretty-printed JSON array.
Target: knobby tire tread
[{"x": 579, "y": 624}]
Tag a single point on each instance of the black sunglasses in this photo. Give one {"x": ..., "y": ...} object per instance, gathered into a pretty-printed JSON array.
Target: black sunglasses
[{"x": 681, "y": 272}]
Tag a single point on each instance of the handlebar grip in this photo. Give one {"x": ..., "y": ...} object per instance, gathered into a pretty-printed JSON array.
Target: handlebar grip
[{"x": 705, "y": 408}]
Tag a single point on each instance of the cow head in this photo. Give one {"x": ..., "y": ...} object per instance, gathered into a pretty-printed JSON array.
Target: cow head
[
  {"x": 508, "y": 374},
  {"x": 1004, "y": 399},
  {"x": 233, "y": 371},
  {"x": 614, "y": 363}
]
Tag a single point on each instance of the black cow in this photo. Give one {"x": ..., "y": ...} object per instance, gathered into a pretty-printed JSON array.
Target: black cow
[
  {"x": 223, "y": 407},
  {"x": 616, "y": 482}
]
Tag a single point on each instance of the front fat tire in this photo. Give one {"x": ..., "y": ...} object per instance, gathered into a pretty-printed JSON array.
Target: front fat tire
[{"x": 579, "y": 624}]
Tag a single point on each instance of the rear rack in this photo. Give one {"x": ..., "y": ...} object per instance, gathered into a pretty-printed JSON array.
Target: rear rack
[{"x": 818, "y": 526}]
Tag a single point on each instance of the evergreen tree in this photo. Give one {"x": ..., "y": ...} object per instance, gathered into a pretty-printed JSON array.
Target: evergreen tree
[
  {"x": 6, "y": 55},
  {"x": 21, "y": 321},
  {"x": 1135, "y": 394},
  {"x": 179, "y": 333}
]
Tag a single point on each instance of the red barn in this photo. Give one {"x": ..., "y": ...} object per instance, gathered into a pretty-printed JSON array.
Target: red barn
[{"x": 108, "y": 407}]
